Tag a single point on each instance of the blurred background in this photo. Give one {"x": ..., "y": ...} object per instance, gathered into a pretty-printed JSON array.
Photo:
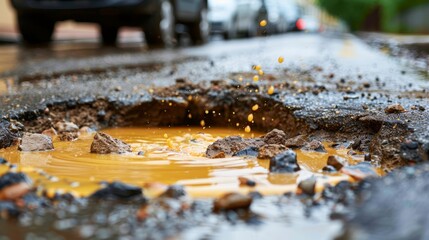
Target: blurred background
[
  {"x": 228, "y": 19},
  {"x": 231, "y": 19}
]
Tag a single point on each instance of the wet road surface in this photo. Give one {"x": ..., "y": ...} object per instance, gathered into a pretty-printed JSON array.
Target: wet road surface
[
  {"x": 42, "y": 73},
  {"x": 327, "y": 83}
]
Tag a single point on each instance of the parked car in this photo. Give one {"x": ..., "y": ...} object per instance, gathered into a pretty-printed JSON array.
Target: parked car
[
  {"x": 277, "y": 19},
  {"x": 308, "y": 23},
  {"x": 158, "y": 18},
  {"x": 291, "y": 11},
  {"x": 221, "y": 17},
  {"x": 248, "y": 16}
]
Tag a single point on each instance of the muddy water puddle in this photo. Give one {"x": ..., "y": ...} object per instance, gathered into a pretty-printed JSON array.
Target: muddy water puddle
[{"x": 164, "y": 156}]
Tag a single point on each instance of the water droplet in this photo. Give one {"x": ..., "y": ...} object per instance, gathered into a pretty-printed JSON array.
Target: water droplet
[
  {"x": 256, "y": 78},
  {"x": 271, "y": 90},
  {"x": 255, "y": 107},
  {"x": 250, "y": 118},
  {"x": 247, "y": 129}
]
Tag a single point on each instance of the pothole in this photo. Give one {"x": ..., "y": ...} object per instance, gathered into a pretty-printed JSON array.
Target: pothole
[
  {"x": 166, "y": 156},
  {"x": 170, "y": 130}
]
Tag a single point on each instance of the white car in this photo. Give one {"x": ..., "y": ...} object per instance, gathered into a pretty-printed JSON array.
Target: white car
[{"x": 221, "y": 17}]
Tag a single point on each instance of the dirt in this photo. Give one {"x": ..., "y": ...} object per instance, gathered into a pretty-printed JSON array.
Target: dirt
[{"x": 105, "y": 144}]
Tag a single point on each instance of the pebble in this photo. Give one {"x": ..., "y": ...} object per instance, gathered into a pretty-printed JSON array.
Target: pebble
[
  {"x": 337, "y": 162},
  {"x": 284, "y": 162},
  {"x": 232, "y": 201},
  {"x": 118, "y": 191},
  {"x": 33, "y": 142},
  {"x": 394, "y": 108},
  {"x": 105, "y": 144}
]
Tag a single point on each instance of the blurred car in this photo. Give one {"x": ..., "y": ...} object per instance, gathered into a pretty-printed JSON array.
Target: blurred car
[
  {"x": 291, "y": 11},
  {"x": 307, "y": 23},
  {"x": 248, "y": 16},
  {"x": 277, "y": 19},
  {"x": 221, "y": 17},
  {"x": 158, "y": 18}
]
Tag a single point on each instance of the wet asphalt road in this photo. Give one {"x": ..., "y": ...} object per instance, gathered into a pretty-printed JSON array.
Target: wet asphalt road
[
  {"x": 352, "y": 73},
  {"x": 64, "y": 70}
]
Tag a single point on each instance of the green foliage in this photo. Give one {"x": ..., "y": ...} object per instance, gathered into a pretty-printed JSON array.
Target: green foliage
[{"x": 354, "y": 12}]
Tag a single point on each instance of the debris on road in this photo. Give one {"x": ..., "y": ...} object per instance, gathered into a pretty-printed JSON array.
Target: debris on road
[
  {"x": 337, "y": 162},
  {"x": 285, "y": 162},
  {"x": 394, "y": 108},
  {"x": 228, "y": 146},
  {"x": 232, "y": 201},
  {"x": 32, "y": 142},
  {"x": 105, "y": 144}
]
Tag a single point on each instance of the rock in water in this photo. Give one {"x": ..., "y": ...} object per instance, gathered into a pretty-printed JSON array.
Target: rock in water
[
  {"x": 105, "y": 144},
  {"x": 315, "y": 146},
  {"x": 232, "y": 201},
  {"x": 250, "y": 151},
  {"x": 276, "y": 136},
  {"x": 337, "y": 162},
  {"x": 360, "y": 171},
  {"x": 32, "y": 142},
  {"x": 118, "y": 191},
  {"x": 284, "y": 162},
  {"x": 228, "y": 146},
  {"x": 270, "y": 150},
  {"x": 296, "y": 142}
]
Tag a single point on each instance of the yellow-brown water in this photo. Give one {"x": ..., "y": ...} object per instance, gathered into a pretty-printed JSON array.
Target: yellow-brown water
[{"x": 171, "y": 156}]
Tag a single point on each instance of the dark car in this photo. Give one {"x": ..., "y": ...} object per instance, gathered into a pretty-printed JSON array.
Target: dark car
[{"x": 157, "y": 18}]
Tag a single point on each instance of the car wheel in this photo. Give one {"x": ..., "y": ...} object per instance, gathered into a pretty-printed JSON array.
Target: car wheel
[
  {"x": 109, "y": 34},
  {"x": 160, "y": 29},
  {"x": 200, "y": 30},
  {"x": 35, "y": 29}
]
